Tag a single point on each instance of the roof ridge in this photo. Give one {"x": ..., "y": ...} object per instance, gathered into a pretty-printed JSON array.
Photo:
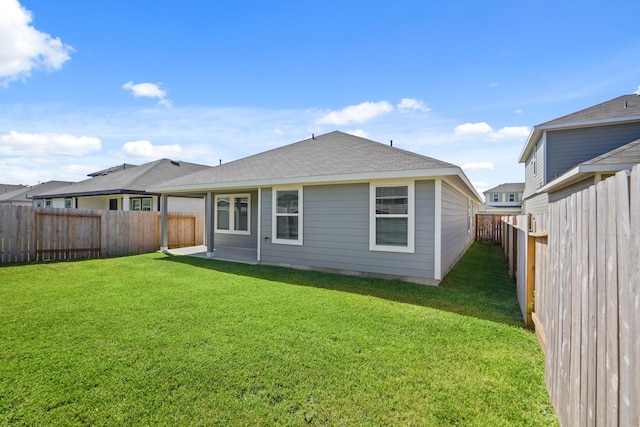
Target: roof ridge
[{"x": 592, "y": 108}]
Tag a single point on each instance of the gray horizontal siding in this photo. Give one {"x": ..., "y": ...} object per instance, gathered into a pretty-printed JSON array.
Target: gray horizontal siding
[
  {"x": 568, "y": 148},
  {"x": 534, "y": 181},
  {"x": 241, "y": 240},
  {"x": 456, "y": 232},
  {"x": 536, "y": 204},
  {"x": 336, "y": 233},
  {"x": 574, "y": 188}
]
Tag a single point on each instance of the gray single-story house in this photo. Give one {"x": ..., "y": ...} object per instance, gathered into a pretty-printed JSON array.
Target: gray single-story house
[{"x": 338, "y": 203}]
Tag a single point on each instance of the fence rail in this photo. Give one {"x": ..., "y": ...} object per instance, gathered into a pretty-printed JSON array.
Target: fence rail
[
  {"x": 583, "y": 260},
  {"x": 30, "y": 234}
]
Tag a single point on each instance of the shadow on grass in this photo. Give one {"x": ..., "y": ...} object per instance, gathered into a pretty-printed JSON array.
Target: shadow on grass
[{"x": 478, "y": 286}]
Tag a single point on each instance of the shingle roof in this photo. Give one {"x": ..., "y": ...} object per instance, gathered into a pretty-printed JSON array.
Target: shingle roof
[
  {"x": 617, "y": 108},
  {"x": 25, "y": 193},
  {"x": 136, "y": 179},
  {"x": 112, "y": 169},
  {"x": 5, "y": 188},
  {"x": 509, "y": 187},
  {"x": 331, "y": 154}
]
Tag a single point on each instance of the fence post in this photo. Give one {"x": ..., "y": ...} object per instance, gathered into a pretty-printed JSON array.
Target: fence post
[{"x": 530, "y": 275}]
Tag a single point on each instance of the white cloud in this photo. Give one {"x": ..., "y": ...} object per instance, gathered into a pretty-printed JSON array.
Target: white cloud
[
  {"x": 519, "y": 111},
  {"x": 149, "y": 90},
  {"x": 408, "y": 104},
  {"x": 510, "y": 133},
  {"x": 637, "y": 92},
  {"x": 356, "y": 113},
  {"x": 145, "y": 150},
  {"x": 482, "y": 128},
  {"x": 42, "y": 144},
  {"x": 478, "y": 166},
  {"x": 24, "y": 48},
  {"x": 494, "y": 84},
  {"x": 473, "y": 129}
]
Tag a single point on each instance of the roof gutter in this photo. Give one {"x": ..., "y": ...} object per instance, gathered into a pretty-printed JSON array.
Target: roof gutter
[
  {"x": 579, "y": 173},
  {"x": 322, "y": 179},
  {"x": 94, "y": 193}
]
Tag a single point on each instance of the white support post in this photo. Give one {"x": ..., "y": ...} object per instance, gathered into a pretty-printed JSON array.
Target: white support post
[
  {"x": 209, "y": 225},
  {"x": 164, "y": 229}
]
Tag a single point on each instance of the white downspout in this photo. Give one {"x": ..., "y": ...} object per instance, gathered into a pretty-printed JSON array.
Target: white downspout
[
  {"x": 259, "y": 231},
  {"x": 437, "y": 231}
]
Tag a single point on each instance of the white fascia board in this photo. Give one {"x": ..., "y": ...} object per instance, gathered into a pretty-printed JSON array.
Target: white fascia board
[
  {"x": 532, "y": 140},
  {"x": 319, "y": 180},
  {"x": 581, "y": 172},
  {"x": 464, "y": 179}
]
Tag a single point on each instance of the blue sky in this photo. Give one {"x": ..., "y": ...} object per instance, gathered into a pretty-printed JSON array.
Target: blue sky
[{"x": 88, "y": 85}]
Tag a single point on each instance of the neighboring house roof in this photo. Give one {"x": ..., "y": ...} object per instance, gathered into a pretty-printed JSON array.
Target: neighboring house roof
[
  {"x": 5, "y": 188},
  {"x": 621, "y": 158},
  {"x": 625, "y": 108},
  {"x": 112, "y": 169},
  {"x": 26, "y": 193},
  {"x": 510, "y": 187},
  {"x": 130, "y": 181},
  {"x": 332, "y": 157}
]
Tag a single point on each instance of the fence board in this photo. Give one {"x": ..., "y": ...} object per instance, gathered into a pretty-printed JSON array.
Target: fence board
[
  {"x": 625, "y": 312},
  {"x": 575, "y": 331},
  {"x": 587, "y": 301},
  {"x": 601, "y": 325},
  {"x": 45, "y": 234},
  {"x": 591, "y": 230},
  {"x": 612, "y": 309},
  {"x": 633, "y": 296}
]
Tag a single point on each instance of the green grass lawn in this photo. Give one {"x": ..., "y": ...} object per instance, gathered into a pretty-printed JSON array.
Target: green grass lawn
[{"x": 169, "y": 340}]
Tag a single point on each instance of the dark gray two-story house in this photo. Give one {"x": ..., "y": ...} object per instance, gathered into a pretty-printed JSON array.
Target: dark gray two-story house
[{"x": 570, "y": 153}]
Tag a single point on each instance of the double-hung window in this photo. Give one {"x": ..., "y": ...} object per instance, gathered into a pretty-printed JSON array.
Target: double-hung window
[
  {"x": 512, "y": 197},
  {"x": 233, "y": 213},
  {"x": 141, "y": 204},
  {"x": 287, "y": 216},
  {"x": 496, "y": 197},
  {"x": 392, "y": 217}
]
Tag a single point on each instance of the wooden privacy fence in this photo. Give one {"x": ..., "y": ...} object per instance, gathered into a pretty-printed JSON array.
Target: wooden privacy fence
[
  {"x": 489, "y": 228},
  {"x": 583, "y": 260},
  {"x": 45, "y": 234}
]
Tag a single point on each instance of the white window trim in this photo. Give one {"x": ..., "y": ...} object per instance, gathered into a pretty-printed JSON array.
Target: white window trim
[
  {"x": 274, "y": 216},
  {"x": 411, "y": 217},
  {"x": 232, "y": 198}
]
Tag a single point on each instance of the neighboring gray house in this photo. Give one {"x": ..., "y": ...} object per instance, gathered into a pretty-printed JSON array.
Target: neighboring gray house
[
  {"x": 340, "y": 203},
  {"x": 590, "y": 172},
  {"x": 505, "y": 199},
  {"x": 557, "y": 147},
  {"x": 123, "y": 188},
  {"x": 23, "y": 195}
]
